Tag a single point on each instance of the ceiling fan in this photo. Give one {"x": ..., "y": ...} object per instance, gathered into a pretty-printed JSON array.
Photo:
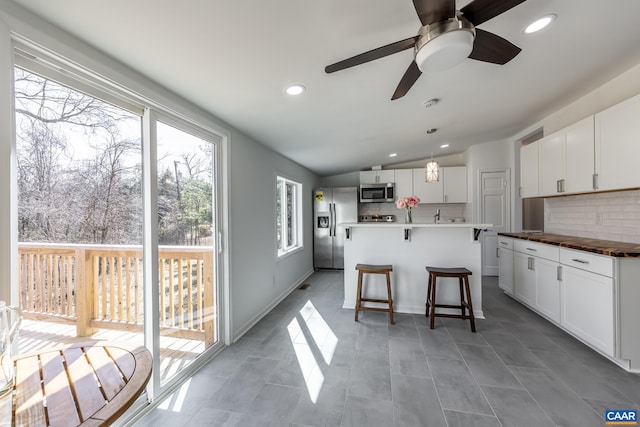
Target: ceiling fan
[{"x": 446, "y": 37}]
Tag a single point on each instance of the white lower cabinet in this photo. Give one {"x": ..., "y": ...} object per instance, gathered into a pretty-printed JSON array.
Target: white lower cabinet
[
  {"x": 536, "y": 277},
  {"x": 588, "y": 299},
  {"x": 547, "y": 289},
  {"x": 524, "y": 277},
  {"x": 593, "y": 297},
  {"x": 505, "y": 264}
]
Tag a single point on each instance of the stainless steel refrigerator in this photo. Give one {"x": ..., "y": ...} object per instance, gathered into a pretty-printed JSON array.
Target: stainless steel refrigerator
[{"x": 331, "y": 207}]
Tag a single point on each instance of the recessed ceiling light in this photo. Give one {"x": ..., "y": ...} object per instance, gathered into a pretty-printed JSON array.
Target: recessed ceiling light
[
  {"x": 539, "y": 24},
  {"x": 295, "y": 89},
  {"x": 393, "y": 154},
  {"x": 444, "y": 145}
]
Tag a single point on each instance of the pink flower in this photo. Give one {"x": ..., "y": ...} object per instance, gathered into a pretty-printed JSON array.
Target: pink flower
[
  {"x": 407, "y": 202},
  {"x": 413, "y": 201}
]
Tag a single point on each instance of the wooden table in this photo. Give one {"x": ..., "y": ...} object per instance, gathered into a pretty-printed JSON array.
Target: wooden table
[{"x": 84, "y": 384}]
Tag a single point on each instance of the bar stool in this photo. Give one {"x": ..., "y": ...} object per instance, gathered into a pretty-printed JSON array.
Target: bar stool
[
  {"x": 461, "y": 274},
  {"x": 374, "y": 269}
]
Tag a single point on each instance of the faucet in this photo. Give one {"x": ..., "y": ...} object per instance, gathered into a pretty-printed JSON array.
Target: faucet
[{"x": 436, "y": 217}]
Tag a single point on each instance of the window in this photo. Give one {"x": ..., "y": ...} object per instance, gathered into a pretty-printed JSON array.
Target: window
[{"x": 288, "y": 215}]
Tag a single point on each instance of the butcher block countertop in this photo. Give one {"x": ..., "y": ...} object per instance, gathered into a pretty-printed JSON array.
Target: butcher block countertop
[{"x": 602, "y": 247}]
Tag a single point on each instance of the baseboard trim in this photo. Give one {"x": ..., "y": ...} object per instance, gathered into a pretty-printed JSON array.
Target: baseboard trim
[{"x": 255, "y": 319}]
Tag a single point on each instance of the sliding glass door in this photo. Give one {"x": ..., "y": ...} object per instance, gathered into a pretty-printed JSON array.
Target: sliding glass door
[
  {"x": 81, "y": 194},
  {"x": 186, "y": 235}
]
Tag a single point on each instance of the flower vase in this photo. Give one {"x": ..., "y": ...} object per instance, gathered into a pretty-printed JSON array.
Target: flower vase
[{"x": 408, "y": 218}]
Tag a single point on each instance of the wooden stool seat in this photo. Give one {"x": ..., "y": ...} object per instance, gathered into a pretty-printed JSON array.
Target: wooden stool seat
[
  {"x": 463, "y": 281},
  {"x": 374, "y": 269}
]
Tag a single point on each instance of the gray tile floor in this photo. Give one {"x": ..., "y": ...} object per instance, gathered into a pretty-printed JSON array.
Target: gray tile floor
[{"x": 307, "y": 363}]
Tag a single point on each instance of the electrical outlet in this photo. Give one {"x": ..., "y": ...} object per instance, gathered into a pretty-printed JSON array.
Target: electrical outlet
[{"x": 599, "y": 218}]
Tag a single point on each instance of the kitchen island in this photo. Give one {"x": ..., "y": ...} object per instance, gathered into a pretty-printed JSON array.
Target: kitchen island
[{"x": 410, "y": 248}]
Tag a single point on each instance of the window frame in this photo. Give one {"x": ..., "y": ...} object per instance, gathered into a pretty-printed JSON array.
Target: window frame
[{"x": 282, "y": 229}]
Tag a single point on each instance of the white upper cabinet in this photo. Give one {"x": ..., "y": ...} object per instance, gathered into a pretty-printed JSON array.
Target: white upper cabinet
[
  {"x": 567, "y": 160},
  {"x": 455, "y": 184},
  {"x": 404, "y": 183},
  {"x": 377, "y": 176},
  {"x": 529, "y": 170},
  {"x": 617, "y": 141},
  {"x": 451, "y": 188},
  {"x": 427, "y": 192},
  {"x": 551, "y": 157},
  {"x": 580, "y": 156}
]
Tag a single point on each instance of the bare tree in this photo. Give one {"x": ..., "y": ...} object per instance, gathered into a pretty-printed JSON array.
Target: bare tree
[{"x": 83, "y": 196}]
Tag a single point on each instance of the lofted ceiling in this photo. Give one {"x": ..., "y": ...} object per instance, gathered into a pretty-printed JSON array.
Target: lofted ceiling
[{"x": 235, "y": 58}]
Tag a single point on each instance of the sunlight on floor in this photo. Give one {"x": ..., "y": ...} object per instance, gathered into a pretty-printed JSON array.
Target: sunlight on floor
[
  {"x": 310, "y": 325},
  {"x": 174, "y": 402}
]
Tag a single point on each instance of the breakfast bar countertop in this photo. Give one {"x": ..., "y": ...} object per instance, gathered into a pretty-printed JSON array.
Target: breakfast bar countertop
[{"x": 597, "y": 246}]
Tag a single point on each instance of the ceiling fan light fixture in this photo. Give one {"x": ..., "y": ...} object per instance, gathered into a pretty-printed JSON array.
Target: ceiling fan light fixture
[{"x": 444, "y": 45}]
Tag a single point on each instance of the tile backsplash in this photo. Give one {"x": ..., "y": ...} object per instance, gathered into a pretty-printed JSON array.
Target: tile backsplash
[
  {"x": 608, "y": 216},
  {"x": 421, "y": 214}
]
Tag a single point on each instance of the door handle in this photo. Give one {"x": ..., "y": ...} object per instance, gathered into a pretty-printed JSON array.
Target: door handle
[
  {"x": 559, "y": 273},
  {"x": 497, "y": 252},
  {"x": 581, "y": 261}
]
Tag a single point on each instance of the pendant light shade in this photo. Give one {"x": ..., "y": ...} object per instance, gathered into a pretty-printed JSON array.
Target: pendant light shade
[{"x": 431, "y": 171}]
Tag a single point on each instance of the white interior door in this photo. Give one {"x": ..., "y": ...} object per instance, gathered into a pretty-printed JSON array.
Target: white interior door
[{"x": 494, "y": 209}]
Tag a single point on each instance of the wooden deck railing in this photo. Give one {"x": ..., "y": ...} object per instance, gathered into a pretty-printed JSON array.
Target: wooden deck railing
[{"x": 100, "y": 286}]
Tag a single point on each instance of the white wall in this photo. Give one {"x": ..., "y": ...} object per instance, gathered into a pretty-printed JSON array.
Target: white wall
[
  {"x": 259, "y": 280},
  {"x": 614, "y": 91},
  {"x": 488, "y": 157},
  {"x": 350, "y": 179},
  {"x": 251, "y": 176}
]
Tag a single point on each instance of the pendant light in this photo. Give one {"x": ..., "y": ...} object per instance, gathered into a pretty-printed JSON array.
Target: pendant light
[{"x": 431, "y": 169}]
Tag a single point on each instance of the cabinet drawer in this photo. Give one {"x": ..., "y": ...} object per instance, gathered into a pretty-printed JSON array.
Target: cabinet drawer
[
  {"x": 593, "y": 263},
  {"x": 541, "y": 250},
  {"x": 505, "y": 242}
]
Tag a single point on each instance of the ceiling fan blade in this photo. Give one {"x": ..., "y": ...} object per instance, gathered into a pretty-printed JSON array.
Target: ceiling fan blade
[
  {"x": 479, "y": 11},
  {"x": 409, "y": 78},
  {"x": 489, "y": 47},
  {"x": 430, "y": 11},
  {"x": 373, "y": 54}
]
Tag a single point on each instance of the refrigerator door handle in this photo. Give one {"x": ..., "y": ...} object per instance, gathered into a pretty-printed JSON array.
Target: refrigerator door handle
[
  {"x": 333, "y": 220},
  {"x": 330, "y": 219}
]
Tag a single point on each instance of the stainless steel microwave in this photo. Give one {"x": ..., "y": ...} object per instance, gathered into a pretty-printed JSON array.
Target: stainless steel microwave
[{"x": 377, "y": 193}]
